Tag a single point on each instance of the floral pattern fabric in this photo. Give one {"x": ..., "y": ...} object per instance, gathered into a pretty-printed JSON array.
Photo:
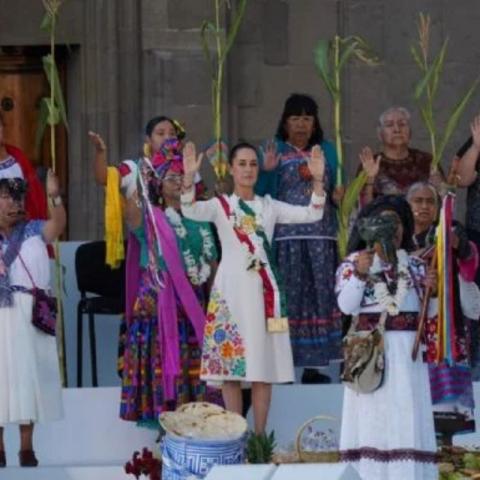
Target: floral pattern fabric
[{"x": 223, "y": 351}]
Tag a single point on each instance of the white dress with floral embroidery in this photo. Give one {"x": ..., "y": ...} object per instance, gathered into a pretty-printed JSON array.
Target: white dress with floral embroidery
[
  {"x": 389, "y": 434},
  {"x": 236, "y": 344}
]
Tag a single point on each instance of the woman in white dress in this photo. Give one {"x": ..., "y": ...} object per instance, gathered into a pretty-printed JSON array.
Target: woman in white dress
[
  {"x": 388, "y": 434},
  {"x": 30, "y": 389},
  {"x": 246, "y": 335}
]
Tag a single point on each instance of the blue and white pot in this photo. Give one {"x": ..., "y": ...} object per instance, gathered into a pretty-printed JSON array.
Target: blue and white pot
[{"x": 192, "y": 459}]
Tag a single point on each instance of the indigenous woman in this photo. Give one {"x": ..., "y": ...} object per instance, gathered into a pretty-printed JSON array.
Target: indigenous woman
[
  {"x": 306, "y": 253},
  {"x": 14, "y": 164},
  {"x": 388, "y": 434},
  {"x": 168, "y": 265},
  {"x": 451, "y": 385},
  {"x": 30, "y": 389},
  {"x": 246, "y": 334},
  {"x": 397, "y": 165}
]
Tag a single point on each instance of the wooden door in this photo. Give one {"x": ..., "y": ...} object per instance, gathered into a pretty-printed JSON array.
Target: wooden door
[{"x": 22, "y": 85}]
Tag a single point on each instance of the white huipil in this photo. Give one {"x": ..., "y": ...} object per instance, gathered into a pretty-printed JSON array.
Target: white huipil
[
  {"x": 30, "y": 389},
  {"x": 388, "y": 434},
  {"x": 237, "y": 345}
]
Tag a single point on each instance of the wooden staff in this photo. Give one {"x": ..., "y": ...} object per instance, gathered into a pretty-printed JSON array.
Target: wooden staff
[{"x": 423, "y": 311}]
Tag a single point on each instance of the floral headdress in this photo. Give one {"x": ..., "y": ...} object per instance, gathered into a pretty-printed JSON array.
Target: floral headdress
[{"x": 169, "y": 157}]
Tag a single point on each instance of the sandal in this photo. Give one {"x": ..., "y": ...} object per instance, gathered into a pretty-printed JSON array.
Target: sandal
[
  {"x": 3, "y": 459},
  {"x": 27, "y": 458}
]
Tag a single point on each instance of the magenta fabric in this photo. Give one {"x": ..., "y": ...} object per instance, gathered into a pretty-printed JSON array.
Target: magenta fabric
[{"x": 176, "y": 288}]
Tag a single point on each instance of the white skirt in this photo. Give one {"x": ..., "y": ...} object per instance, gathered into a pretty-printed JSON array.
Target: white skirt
[
  {"x": 389, "y": 434},
  {"x": 30, "y": 389}
]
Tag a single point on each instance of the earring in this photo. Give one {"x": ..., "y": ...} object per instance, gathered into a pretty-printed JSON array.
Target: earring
[{"x": 147, "y": 150}]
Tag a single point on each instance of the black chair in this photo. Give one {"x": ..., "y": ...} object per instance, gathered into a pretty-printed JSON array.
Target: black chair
[{"x": 94, "y": 276}]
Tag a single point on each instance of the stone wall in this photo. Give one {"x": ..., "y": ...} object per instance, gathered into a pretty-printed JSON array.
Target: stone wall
[{"x": 132, "y": 59}]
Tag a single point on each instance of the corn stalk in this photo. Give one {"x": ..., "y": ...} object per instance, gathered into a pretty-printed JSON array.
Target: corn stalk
[
  {"x": 427, "y": 87},
  {"x": 52, "y": 113},
  {"x": 216, "y": 61},
  {"x": 330, "y": 59}
]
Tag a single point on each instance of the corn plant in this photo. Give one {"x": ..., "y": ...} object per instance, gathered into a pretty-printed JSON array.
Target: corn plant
[
  {"x": 330, "y": 59},
  {"x": 427, "y": 88},
  {"x": 223, "y": 43},
  {"x": 52, "y": 113}
]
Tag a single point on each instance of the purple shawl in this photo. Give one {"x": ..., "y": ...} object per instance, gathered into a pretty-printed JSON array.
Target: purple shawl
[{"x": 176, "y": 286}]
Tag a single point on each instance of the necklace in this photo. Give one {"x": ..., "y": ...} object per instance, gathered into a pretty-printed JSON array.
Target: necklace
[{"x": 391, "y": 301}]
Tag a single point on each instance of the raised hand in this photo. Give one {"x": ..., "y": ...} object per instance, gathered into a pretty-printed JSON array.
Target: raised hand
[
  {"x": 52, "y": 184},
  {"x": 270, "y": 156},
  {"x": 316, "y": 163},
  {"x": 97, "y": 141},
  {"x": 370, "y": 165},
  {"x": 475, "y": 129},
  {"x": 364, "y": 261},
  {"x": 191, "y": 163}
]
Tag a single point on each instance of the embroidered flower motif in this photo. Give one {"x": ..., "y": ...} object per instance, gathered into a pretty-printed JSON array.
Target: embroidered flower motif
[
  {"x": 223, "y": 348},
  {"x": 304, "y": 172},
  {"x": 248, "y": 224},
  {"x": 227, "y": 350},
  {"x": 219, "y": 336}
]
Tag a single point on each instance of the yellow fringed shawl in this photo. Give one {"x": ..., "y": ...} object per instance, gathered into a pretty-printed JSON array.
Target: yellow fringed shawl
[{"x": 115, "y": 251}]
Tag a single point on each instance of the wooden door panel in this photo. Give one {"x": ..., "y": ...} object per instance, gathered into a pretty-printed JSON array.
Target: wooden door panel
[{"x": 22, "y": 85}]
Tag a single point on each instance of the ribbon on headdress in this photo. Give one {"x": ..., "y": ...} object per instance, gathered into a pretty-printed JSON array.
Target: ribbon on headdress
[{"x": 169, "y": 157}]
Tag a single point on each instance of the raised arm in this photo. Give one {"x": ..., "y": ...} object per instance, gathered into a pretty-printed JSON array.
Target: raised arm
[
  {"x": 286, "y": 213},
  {"x": 351, "y": 281},
  {"x": 203, "y": 211},
  {"x": 466, "y": 169},
  {"x": 55, "y": 225},
  {"x": 371, "y": 166},
  {"x": 100, "y": 165}
]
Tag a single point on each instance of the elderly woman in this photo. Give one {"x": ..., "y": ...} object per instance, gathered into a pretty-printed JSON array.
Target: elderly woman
[
  {"x": 451, "y": 386},
  {"x": 14, "y": 164},
  {"x": 30, "y": 389},
  {"x": 246, "y": 333},
  {"x": 398, "y": 165},
  {"x": 388, "y": 434},
  {"x": 306, "y": 254},
  {"x": 168, "y": 264}
]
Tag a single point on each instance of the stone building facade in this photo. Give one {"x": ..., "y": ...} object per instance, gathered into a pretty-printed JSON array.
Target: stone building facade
[{"x": 131, "y": 59}]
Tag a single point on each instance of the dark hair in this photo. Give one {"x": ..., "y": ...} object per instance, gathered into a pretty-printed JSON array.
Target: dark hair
[
  {"x": 394, "y": 203},
  {"x": 237, "y": 147},
  {"x": 300, "y": 104},
  {"x": 153, "y": 122}
]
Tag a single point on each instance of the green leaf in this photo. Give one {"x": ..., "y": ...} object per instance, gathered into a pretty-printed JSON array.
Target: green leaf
[
  {"x": 416, "y": 57},
  {"x": 47, "y": 23},
  {"x": 439, "y": 62},
  {"x": 427, "y": 116},
  {"x": 237, "y": 21},
  {"x": 53, "y": 113},
  {"x": 322, "y": 57},
  {"x": 347, "y": 53},
  {"x": 53, "y": 78},
  {"x": 352, "y": 194},
  {"x": 207, "y": 29},
  {"x": 349, "y": 202},
  {"x": 454, "y": 119}
]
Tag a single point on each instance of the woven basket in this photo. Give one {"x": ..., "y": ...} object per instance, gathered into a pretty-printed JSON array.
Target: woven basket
[{"x": 329, "y": 456}]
